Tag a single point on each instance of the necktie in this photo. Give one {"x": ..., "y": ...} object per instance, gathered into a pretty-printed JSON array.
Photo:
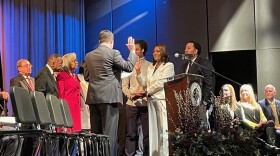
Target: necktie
[
  {"x": 30, "y": 83},
  {"x": 188, "y": 67},
  {"x": 273, "y": 107}
]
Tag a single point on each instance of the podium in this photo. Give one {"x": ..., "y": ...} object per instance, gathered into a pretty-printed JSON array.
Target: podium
[
  {"x": 184, "y": 90},
  {"x": 183, "y": 96}
]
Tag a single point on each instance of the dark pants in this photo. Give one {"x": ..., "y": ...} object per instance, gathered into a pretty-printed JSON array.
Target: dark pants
[
  {"x": 133, "y": 114},
  {"x": 104, "y": 119},
  {"x": 122, "y": 130}
]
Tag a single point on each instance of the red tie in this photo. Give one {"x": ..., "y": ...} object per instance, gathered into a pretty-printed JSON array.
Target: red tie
[{"x": 30, "y": 83}]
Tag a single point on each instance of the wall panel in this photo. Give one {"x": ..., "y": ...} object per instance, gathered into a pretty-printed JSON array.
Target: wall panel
[
  {"x": 179, "y": 21},
  {"x": 231, "y": 25},
  {"x": 134, "y": 18},
  {"x": 268, "y": 69},
  {"x": 267, "y": 24}
]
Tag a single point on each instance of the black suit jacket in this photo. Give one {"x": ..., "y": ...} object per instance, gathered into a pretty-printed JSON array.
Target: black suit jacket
[
  {"x": 20, "y": 81},
  {"x": 208, "y": 84},
  {"x": 268, "y": 113},
  {"x": 45, "y": 82}
]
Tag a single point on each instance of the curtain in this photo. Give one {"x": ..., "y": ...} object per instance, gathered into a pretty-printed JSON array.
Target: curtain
[{"x": 35, "y": 29}]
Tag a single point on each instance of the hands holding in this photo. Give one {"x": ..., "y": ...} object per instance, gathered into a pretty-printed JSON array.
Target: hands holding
[{"x": 131, "y": 44}]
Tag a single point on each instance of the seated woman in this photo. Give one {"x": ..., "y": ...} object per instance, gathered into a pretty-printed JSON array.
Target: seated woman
[
  {"x": 227, "y": 94},
  {"x": 251, "y": 112}
]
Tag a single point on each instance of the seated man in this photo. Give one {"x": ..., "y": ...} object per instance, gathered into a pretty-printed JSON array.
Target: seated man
[{"x": 271, "y": 108}]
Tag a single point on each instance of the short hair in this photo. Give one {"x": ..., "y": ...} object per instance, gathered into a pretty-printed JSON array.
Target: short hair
[
  {"x": 105, "y": 36},
  {"x": 19, "y": 62},
  {"x": 163, "y": 53},
  {"x": 82, "y": 67},
  {"x": 67, "y": 58},
  {"x": 53, "y": 56},
  {"x": 142, "y": 44},
  {"x": 196, "y": 45}
]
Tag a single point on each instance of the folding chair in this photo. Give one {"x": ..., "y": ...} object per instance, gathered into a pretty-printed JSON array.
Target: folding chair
[
  {"x": 42, "y": 114},
  {"x": 24, "y": 114}
]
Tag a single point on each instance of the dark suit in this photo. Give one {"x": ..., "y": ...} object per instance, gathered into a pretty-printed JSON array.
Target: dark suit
[
  {"x": 103, "y": 71},
  {"x": 208, "y": 85},
  {"x": 267, "y": 111},
  {"x": 20, "y": 81},
  {"x": 28, "y": 143},
  {"x": 45, "y": 82}
]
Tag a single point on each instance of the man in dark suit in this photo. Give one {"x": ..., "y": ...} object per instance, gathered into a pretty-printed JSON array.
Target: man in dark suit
[
  {"x": 23, "y": 79},
  {"x": 45, "y": 80},
  {"x": 269, "y": 104},
  {"x": 196, "y": 65},
  {"x": 103, "y": 71}
]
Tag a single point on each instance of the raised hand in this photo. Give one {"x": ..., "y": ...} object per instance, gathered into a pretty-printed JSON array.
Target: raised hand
[{"x": 131, "y": 44}]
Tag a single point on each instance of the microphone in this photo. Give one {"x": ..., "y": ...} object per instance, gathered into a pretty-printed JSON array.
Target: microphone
[
  {"x": 183, "y": 56},
  {"x": 179, "y": 55}
]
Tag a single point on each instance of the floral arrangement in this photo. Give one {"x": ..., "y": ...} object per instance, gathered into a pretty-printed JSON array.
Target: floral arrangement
[{"x": 191, "y": 137}]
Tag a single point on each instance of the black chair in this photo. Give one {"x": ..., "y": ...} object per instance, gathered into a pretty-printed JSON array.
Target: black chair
[
  {"x": 42, "y": 114},
  {"x": 24, "y": 115}
]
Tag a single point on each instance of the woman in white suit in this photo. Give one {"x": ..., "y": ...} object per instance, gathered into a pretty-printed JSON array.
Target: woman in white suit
[{"x": 158, "y": 73}]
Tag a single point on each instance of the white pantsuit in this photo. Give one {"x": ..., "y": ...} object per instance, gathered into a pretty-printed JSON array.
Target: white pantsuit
[{"x": 158, "y": 126}]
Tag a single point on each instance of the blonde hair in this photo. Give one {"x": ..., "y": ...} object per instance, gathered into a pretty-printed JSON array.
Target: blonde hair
[
  {"x": 250, "y": 90},
  {"x": 232, "y": 96},
  {"x": 67, "y": 59}
]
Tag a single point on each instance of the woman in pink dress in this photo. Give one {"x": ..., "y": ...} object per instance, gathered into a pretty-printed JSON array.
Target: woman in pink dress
[{"x": 69, "y": 88}]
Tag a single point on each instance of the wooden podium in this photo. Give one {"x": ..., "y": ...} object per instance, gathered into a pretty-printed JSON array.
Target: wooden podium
[{"x": 181, "y": 94}]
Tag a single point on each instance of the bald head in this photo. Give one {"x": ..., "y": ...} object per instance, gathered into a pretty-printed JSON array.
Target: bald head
[{"x": 269, "y": 92}]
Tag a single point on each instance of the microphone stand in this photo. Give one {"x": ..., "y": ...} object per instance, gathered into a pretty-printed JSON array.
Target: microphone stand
[{"x": 199, "y": 65}]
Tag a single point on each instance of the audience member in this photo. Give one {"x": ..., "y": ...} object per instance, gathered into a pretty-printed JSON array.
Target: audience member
[
  {"x": 157, "y": 73},
  {"x": 271, "y": 108},
  {"x": 136, "y": 109},
  {"x": 23, "y": 79},
  {"x": 230, "y": 104},
  {"x": 85, "y": 117},
  {"x": 45, "y": 79},
  {"x": 198, "y": 65},
  {"x": 69, "y": 88},
  {"x": 252, "y": 113},
  {"x": 103, "y": 71}
]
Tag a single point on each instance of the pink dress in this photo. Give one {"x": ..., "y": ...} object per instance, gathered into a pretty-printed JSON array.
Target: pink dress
[{"x": 69, "y": 89}]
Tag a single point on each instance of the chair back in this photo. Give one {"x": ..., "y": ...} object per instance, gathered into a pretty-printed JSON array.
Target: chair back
[
  {"x": 55, "y": 110},
  {"x": 66, "y": 114},
  {"x": 40, "y": 107},
  {"x": 22, "y": 105}
]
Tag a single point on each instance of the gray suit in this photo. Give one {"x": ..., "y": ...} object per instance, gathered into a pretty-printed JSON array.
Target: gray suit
[
  {"x": 20, "y": 81},
  {"x": 103, "y": 69}
]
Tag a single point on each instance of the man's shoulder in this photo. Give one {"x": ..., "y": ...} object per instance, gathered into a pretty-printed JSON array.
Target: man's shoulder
[
  {"x": 261, "y": 102},
  {"x": 43, "y": 72},
  {"x": 17, "y": 78}
]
